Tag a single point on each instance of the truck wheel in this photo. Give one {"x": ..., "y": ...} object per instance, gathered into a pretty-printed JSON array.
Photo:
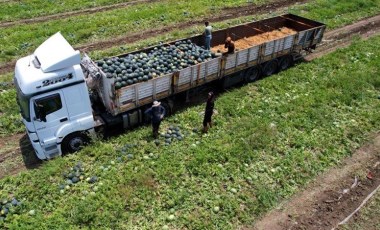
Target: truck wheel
[
  {"x": 74, "y": 142},
  {"x": 252, "y": 74},
  {"x": 285, "y": 62},
  {"x": 270, "y": 67}
]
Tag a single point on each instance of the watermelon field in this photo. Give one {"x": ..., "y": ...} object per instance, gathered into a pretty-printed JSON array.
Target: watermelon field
[{"x": 271, "y": 138}]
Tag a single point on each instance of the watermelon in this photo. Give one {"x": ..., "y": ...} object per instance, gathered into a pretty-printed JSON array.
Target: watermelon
[
  {"x": 75, "y": 180},
  {"x": 162, "y": 59},
  {"x": 118, "y": 85}
]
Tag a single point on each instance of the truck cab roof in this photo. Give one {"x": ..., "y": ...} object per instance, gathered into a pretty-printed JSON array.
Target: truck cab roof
[{"x": 53, "y": 64}]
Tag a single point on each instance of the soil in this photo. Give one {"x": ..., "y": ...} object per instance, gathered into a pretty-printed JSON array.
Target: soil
[
  {"x": 342, "y": 37},
  {"x": 16, "y": 155},
  {"x": 225, "y": 14},
  {"x": 332, "y": 196},
  {"x": 247, "y": 42}
]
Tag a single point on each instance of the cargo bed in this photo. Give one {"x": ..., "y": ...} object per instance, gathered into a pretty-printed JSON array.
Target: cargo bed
[{"x": 307, "y": 34}]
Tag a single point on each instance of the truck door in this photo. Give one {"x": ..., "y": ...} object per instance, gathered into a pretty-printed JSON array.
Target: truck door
[{"x": 48, "y": 114}]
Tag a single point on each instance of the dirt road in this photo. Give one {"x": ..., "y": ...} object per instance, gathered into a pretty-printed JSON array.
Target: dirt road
[{"x": 332, "y": 196}]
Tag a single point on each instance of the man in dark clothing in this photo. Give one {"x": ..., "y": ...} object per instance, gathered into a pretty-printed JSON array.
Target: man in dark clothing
[
  {"x": 156, "y": 113},
  {"x": 230, "y": 45},
  {"x": 208, "y": 112}
]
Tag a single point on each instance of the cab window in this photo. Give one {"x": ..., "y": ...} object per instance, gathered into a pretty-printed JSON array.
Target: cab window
[{"x": 50, "y": 104}]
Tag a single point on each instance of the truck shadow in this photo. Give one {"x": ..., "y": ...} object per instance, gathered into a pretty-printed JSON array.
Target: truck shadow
[{"x": 28, "y": 155}]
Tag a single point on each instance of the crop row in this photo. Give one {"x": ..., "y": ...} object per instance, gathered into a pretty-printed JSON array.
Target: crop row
[
  {"x": 269, "y": 139},
  {"x": 104, "y": 25},
  {"x": 14, "y": 10},
  {"x": 142, "y": 17}
]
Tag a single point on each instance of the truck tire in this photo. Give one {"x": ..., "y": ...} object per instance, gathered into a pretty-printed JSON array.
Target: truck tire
[
  {"x": 252, "y": 74},
  {"x": 270, "y": 67},
  {"x": 285, "y": 62},
  {"x": 74, "y": 142}
]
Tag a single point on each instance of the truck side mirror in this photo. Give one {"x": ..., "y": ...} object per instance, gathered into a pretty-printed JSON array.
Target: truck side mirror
[{"x": 40, "y": 111}]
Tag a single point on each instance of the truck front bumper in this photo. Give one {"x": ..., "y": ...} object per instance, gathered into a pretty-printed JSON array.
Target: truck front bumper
[
  {"x": 44, "y": 150},
  {"x": 38, "y": 150}
]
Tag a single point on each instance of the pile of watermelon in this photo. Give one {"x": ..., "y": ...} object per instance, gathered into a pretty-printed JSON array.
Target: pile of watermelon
[
  {"x": 8, "y": 206},
  {"x": 126, "y": 150},
  {"x": 75, "y": 175},
  {"x": 173, "y": 133},
  {"x": 161, "y": 60}
]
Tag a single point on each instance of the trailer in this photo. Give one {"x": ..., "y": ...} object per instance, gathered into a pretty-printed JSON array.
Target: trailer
[{"x": 58, "y": 77}]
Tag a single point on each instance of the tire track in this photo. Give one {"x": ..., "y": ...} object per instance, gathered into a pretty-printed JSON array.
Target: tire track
[
  {"x": 331, "y": 196},
  {"x": 341, "y": 37}
]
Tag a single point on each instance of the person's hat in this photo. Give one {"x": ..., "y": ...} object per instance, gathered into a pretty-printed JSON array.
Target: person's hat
[{"x": 156, "y": 103}]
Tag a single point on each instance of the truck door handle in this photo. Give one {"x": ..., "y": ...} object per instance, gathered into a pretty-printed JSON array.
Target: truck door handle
[{"x": 63, "y": 119}]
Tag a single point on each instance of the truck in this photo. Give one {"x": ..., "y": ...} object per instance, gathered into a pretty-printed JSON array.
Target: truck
[{"x": 65, "y": 97}]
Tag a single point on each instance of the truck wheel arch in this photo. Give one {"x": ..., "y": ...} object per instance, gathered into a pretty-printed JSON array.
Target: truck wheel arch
[
  {"x": 285, "y": 62},
  {"x": 270, "y": 67},
  {"x": 74, "y": 142},
  {"x": 252, "y": 74}
]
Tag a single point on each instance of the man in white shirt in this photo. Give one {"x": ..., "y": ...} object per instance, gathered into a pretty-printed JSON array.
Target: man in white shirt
[{"x": 207, "y": 33}]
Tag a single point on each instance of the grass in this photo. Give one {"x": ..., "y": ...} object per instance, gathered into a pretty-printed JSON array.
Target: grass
[
  {"x": 15, "y": 10},
  {"x": 10, "y": 120},
  {"x": 270, "y": 138},
  {"x": 338, "y": 12}
]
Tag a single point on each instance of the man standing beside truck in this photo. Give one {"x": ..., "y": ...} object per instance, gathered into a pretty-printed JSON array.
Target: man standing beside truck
[
  {"x": 156, "y": 113},
  {"x": 207, "y": 122},
  {"x": 208, "y": 36}
]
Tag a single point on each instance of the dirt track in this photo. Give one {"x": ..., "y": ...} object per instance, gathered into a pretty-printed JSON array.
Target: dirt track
[
  {"x": 228, "y": 13},
  {"x": 331, "y": 197}
]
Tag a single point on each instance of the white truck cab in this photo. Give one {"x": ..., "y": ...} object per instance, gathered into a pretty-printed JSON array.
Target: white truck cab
[{"x": 53, "y": 98}]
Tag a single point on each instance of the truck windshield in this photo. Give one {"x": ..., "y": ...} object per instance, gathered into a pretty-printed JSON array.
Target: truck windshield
[{"x": 23, "y": 103}]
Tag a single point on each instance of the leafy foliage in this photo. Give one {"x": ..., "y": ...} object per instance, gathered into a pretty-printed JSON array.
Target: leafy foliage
[
  {"x": 10, "y": 120},
  {"x": 11, "y": 11}
]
